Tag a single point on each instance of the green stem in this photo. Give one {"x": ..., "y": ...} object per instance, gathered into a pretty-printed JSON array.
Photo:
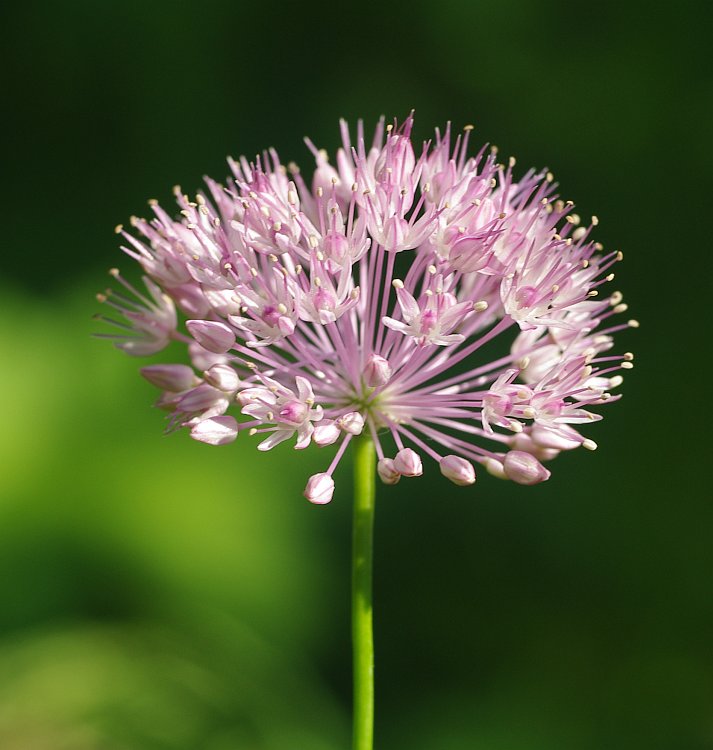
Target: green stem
[{"x": 362, "y": 634}]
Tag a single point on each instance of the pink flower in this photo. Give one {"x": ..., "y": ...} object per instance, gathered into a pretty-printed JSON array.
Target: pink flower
[{"x": 298, "y": 326}]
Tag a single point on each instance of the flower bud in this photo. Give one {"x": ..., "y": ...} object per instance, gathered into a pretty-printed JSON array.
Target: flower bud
[
  {"x": 524, "y": 468},
  {"x": 211, "y": 335},
  {"x": 173, "y": 378},
  {"x": 387, "y": 472},
  {"x": 325, "y": 433},
  {"x": 222, "y": 377},
  {"x": 495, "y": 468},
  {"x": 408, "y": 463},
  {"x": 458, "y": 470},
  {"x": 563, "y": 438},
  {"x": 191, "y": 300},
  {"x": 319, "y": 489},
  {"x": 215, "y": 431},
  {"x": 200, "y": 398},
  {"x": 202, "y": 359},
  {"x": 377, "y": 371},
  {"x": 523, "y": 441},
  {"x": 351, "y": 422}
]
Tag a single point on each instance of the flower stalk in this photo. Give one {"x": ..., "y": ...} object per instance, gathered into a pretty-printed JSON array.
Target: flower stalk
[{"x": 362, "y": 630}]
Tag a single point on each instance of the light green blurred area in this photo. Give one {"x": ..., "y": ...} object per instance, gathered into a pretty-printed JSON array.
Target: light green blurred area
[{"x": 155, "y": 593}]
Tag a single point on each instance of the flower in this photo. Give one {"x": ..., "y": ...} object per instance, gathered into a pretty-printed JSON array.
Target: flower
[{"x": 362, "y": 301}]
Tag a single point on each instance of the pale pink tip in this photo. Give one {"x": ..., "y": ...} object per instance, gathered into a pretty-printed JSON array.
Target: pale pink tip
[
  {"x": 173, "y": 378},
  {"x": 408, "y": 463},
  {"x": 524, "y": 468},
  {"x": 215, "y": 431},
  {"x": 319, "y": 489},
  {"x": 386, "y": 471},
  {"x": 211, "y": 335},
  {"x": 458, "y": 470},
  {"x": 377, "y": 371}
]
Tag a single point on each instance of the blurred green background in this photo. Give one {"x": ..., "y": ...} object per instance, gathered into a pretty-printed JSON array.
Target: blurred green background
[{"x": 159, "y": 594}]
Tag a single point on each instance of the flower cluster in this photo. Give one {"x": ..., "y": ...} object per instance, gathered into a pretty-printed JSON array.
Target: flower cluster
[{"x": 360, "y": 302}]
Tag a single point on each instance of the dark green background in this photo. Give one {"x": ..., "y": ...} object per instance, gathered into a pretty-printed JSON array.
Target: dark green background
[{"x": 156, "y": 593}]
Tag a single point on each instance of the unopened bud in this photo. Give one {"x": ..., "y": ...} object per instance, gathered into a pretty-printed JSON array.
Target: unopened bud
[
  {"x": 563, "y": 438},
  {"x": 408, "y": 463},
  {"x": 215, "y": 431},
  {"x": 495, "y": 468},
  {"x": 524, "y": 441},
  {"x": 458, "y": 470},
  {"x": 319, "y": 489},
  {"x": 351, "y": 422},
  {"x": 223, "y": 377},
  {"x": 211, "y": 335},
  {"x": 387, "y": 472},
  {"x": 377, "y": 371},
  {"x": 173, "y": 378},
  {"x": 200, "y": 398},
  {"x": 325, "y": 433},
  {"x": 524, "y": 468},
  {"x": 202, "y": 359}
]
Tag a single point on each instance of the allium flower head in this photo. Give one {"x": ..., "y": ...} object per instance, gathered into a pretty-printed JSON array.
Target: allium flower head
[{"x": 362, "y": 299}]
